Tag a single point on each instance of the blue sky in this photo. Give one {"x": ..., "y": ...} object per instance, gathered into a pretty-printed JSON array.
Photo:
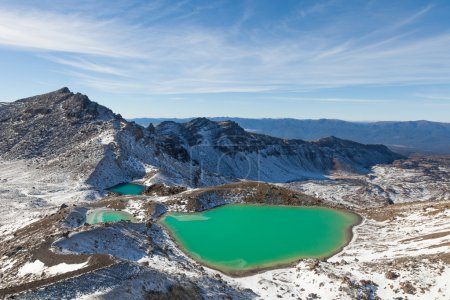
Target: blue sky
[{"x": 352, "y": 60}]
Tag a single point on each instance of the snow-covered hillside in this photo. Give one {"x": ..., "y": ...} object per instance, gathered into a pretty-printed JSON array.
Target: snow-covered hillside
[
  {"x": 398, "y": 250},
  {"x": 420, "y": 178},
  {"x": 227, "y": 149},
  {"x": 67, "y": 133},
  {"x": 60, "y": 151}
]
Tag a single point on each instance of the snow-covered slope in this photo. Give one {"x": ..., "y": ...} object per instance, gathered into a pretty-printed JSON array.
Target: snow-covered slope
[
  {"x": 419, "y": 178},
  {"x": 61, "y": 147},
  {"x": 67, "y": 133},
  {"x": 406, "y": 137},
  {"x": 399, "y": 251},
  {"x": 61, "y": 132},
  {"x": 227, "y": 149}
]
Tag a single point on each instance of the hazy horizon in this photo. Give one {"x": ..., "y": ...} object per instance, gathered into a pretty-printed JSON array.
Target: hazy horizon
[
  {"x": 283, "y": 118},
  {"x": 250, "y": 118}
]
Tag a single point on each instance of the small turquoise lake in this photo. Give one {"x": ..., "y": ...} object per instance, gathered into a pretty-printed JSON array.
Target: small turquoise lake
[
  {"x": 107, "y": 215},
  {"x": 128, "y": 189},
  {"x": 241, "y": 239}
]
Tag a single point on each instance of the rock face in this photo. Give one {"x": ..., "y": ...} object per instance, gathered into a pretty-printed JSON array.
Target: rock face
[
  {"x": 401, "y": 136},
  {"x": 159, "y": 189},
  {"x": 66, "y": 132},
  {"x": 63, "y": 132},
  {"x": 33, "y": 127},
  {"x": 227, "y": 149},
  {"x": 57, "y": 128}
]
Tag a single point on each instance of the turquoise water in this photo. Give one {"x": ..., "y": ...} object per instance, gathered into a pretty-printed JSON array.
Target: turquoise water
[
  {"x": 242, "y": 238},
  {"x": 128, "y": 189},
  {"x": 107, "y": 215}
]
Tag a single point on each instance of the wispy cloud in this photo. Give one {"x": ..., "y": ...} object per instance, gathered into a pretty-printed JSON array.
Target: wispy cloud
[
  {"x": 86, "y": 65},
  {"x": 414, "y": 17},
  {"x": 40, "y": 30},
  {"x": 313, "y": 9},
  {"x": 119, "y": 55},
  {"x": 328, "y": 99},
  {"x": 434, "y": 97}
]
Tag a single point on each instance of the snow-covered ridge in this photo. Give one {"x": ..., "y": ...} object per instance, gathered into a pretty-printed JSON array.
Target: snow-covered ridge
[
  {"x": 225, "y": 148},
  {"x": 403, "y": 136},
  {"x": 420, "y": 178},
  {"x": 68, "y": 133}
]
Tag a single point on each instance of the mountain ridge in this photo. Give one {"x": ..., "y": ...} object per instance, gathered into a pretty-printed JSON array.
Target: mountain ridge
[
  {"x": 67, "y": 131},
  {"x": 406, "y": 137}
]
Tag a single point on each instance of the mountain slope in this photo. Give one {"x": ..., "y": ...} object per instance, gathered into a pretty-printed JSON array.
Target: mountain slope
[
  {"x": 58, "y": 128},
  {"x": 225, "y": 148},
  {"x": 66, "y": 133},
  {"x": 403, "y": 137}
]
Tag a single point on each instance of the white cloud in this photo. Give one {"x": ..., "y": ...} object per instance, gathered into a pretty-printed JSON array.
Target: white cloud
[
  {"x": 434, "y": 96},
  {"x": 83, "y": 64},
  {"x": 65, "y": 33},
  {"x": 117, "y": 56}
]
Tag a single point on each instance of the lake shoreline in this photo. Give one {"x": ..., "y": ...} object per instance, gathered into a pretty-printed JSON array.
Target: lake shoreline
[
  {"x": 127, "y": 189},
  {"x": 92, "y": 216},
  {"x": 289, "y": 262}
]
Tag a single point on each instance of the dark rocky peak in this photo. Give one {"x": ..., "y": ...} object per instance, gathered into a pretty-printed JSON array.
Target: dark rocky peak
[
  {"x": 62, "y": 102},
  {"x": 333, "y": 141},
  {"x": 51, "y": 123},
  {"x": 167, "y": 123},
  {"x": 231, "y": 128},
  {"x": 203, "y": 128},
  {"x": 47, "y": 99},
  {"x": 64, "y": 90},
  {"x": 215, "y": 133},
  {"x": 360, "y": 154},
  {"x": 199, "y": 130},
  {"x": 171, "y": 137},
  {"x": 78, "y": 106},
  {"x": 200, "y": 124},
  {"x": 151, "y": 128},
  {"x": 168, "y": 128}
]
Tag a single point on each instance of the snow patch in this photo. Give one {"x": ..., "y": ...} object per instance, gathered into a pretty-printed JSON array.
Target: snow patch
[
  {"x": 64, "y": 268},
  {"x": 35, "y": 267}
]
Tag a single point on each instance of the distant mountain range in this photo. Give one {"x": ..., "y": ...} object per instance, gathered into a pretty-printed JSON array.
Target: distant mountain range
[
  {"x": 66, "y": 132},
  {"x": 403, "y": 137}
]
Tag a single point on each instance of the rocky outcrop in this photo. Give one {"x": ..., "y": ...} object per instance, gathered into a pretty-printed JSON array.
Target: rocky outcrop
[
  {"x": 227, "y": 149},
  {"x": 404, "y": 137},
  {"x": 66, "y": 133},
  {"x": 159, "y": 189}
]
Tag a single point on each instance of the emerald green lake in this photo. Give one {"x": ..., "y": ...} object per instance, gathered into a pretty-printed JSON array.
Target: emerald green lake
[
  {"x": 239, "y": 239},
  {"x": 128, "y": 189},
  {"x": 107, "y": 215}
]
